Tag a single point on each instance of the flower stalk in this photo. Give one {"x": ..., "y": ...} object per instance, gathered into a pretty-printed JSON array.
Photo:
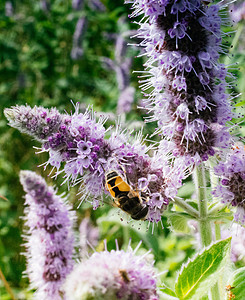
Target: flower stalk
[
  {"x": 201, "y": 193},
  {"x": 188, "y": 208},
  {"x": 7, "y": 286},
  {"x": 204, "y": 222}
]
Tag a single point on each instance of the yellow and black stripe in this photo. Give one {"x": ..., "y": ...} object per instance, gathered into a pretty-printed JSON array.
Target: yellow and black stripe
[{"x": 116, "y": 185}]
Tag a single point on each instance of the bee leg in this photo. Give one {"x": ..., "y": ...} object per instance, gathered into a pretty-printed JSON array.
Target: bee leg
[{"x": 116, "y": 203}]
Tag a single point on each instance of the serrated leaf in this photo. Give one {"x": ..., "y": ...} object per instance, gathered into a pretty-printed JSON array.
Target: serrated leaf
[
  {"x": 236, "y": 285},
  {"x": 164, "y": 296},
  {"x": 166, "y": 293},
  {"x": 178, "y": 222},
  {"x": 201, "y": 273},
  {"x": 166, "y": 290}
]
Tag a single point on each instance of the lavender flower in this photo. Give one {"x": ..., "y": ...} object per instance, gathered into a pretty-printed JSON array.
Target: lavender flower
[
  {"x": 89, "y": 236},
  {"x": 49, "y": 237},
  {"x": 182, "y": 40},
  {"x": 38, "y": 121},
  {"x": 121, "y": 65},
  {"x": 80, "y": 30},
  {"x": 97, "y": 5},
  {"x": 125, "y": 100},
  {"x": 232, "y": 186},
  {"x": 45, "y": 5},
  {"x": 79, "y": 142},
  {"x": 77, "y": 4},
  {"x": 113, "y": 275},
  {"x": 9, "y": 11}
]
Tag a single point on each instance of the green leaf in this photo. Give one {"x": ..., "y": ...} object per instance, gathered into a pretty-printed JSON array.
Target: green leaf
[
  {"x": 237, "y": 284},
  {"x": 178, "y": 222},
  {"x": 186, "y": 190},
  {"x": 166, "y": 293},
  {"x": 201, "y": 273}
]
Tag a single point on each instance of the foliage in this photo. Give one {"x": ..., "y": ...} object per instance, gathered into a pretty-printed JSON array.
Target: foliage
[{"x": 36, "y": 68}]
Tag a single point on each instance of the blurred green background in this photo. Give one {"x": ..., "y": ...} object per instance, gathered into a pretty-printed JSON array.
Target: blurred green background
[{"x": 43, "y": 63}]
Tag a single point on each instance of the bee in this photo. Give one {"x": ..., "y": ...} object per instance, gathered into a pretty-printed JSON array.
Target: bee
[
  {"x": 228, "y": 289},
  {"x": 125, "y": 197}
]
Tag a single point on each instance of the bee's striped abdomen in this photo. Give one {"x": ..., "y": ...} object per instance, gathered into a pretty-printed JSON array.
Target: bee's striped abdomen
[{"x": 116, "y": 185}]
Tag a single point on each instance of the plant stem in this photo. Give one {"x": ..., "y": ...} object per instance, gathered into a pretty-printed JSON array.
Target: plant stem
[
  {"x": 204, "y": 222},
  {"x": 7, "y": 286},
  {"x": 189, "y": 209},
  {"x": 214, "y": 181},
  {"x": 201, "y": 193},
  {"x": 217, "y": 230}
]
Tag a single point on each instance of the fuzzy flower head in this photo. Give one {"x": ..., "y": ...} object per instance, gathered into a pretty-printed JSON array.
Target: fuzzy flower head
[
  {"x": 89, "y": 236},
  {"x": 77, "y": 147},
  {"x": 77, "y": 140},
  {"x": 49, "y": 237},
  {"x": 231, "y": 190},
  {"x": 183, "y": 82},
  {"x": 112, "y": 275},
  {"x": 154, "y": 178},
  {"x": 37, "y": 121}
]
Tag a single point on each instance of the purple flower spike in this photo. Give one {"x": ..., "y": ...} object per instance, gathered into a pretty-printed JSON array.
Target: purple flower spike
[
  {"x": 9, "y": 11},
  {"x": 182, "y": 40},
  {"x": 77, "y": 147},
  {"x": 113, "y": 275},
  {"x": 97, "y": 5},
  {"x": 49, "y": 237},
  {"x": 38, "y": 122},
  {"x": 232, "y": 188},
  {"x": 81, "y": 27},
  {"x": 125, "y": 100},
  {"x": 77, "y": 4}
]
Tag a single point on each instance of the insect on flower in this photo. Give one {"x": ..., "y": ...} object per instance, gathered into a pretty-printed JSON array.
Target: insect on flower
[
  {"x": 230, "y": 295},
  {"x": 124, "y": 276},
  {"x": 125, "y": 197}
]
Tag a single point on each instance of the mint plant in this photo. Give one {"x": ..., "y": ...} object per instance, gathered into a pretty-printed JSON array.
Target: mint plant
[{"x": 185, "y": 92}]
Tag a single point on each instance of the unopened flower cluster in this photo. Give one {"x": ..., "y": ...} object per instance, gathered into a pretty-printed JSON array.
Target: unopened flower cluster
[
  {"x": 231, "y": 190},
  {"x": 49, "y": 238},
  {"x": 186, "y": 84},
  {"x": 78, "y": 141},
  {"x": 112, "y": 275}
]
